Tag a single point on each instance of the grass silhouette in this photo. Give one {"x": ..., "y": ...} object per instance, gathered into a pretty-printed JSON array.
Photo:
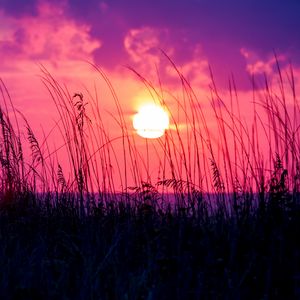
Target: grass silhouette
[{"x": 231, "y": 230}]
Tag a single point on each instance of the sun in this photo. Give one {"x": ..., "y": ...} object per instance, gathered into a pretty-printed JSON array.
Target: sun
[{"x": 151, "y": 121}]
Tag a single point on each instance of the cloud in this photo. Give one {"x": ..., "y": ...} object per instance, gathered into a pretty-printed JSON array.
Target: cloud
[
  {"x": 143, "y": 46},
  {"x": 221, "y": 27},
  {"x": 48, "y": 36},
  {"x": 257, "y": 65},
  {"x": 142, "y": 42},
  {"x": 195, "y": 70}
]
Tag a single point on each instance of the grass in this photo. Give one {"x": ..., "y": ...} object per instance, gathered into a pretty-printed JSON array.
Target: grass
[{"x": 231, "y": 230}]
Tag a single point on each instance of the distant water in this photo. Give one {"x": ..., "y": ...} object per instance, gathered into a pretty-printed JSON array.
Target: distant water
[{"x": 162, "y": 201}]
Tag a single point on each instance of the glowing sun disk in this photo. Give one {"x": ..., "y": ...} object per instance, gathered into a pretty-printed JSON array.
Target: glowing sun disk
[{"x": 151, "y": 121}]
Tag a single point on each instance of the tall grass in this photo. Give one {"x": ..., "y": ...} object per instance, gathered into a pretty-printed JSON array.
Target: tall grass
[{"x": 219, "y": 219}]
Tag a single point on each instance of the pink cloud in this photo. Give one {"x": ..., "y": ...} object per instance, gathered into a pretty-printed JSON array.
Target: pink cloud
[
  {"x": 49, "y": 36},
  {"x": 194, "y": 70},
  {"x": 258, "y": 65},
  {"x": 143, "y": 47}
]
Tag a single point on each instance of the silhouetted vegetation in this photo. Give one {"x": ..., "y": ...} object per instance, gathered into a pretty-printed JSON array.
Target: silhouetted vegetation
[{"x": 222, "y": 221}]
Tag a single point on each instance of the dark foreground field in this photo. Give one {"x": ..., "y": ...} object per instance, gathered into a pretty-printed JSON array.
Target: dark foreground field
[{"x": 126, "y": 251}]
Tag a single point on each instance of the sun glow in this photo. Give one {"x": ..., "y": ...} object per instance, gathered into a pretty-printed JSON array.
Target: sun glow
[{"x": 151, "y": 121}]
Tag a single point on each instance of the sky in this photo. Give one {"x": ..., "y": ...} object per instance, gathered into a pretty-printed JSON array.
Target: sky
[{"x": 230, "y": 37}]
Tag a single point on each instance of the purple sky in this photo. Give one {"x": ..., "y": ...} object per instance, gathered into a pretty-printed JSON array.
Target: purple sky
[{"x": 221, "y": 28}]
